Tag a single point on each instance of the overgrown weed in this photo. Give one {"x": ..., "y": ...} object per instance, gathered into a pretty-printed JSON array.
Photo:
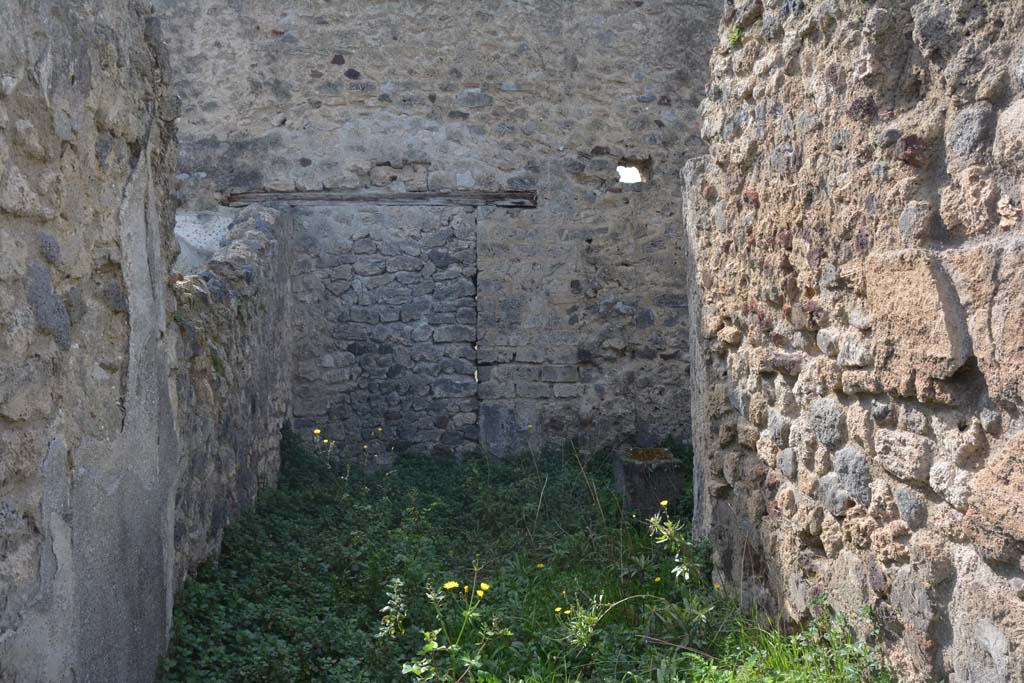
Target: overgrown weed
[{"x": 518, "y": 571}]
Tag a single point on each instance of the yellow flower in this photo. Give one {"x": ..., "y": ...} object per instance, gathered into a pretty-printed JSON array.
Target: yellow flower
[
  {"x": 485, "y": 586},
  {"x": 540, "y": 565},
  {"x": 325, "y": 440},
  {"x": 451, "y": 585},
  {"x": 718, "y": 586},
  {"x": 663, "y": 503},
  {"x": 657, "y": 579},
  {"x": 465, "y": 589},
  {"x": 557, "y": 610},
  {"x": 365, "y": 446},
  {"x": 316, "y": 431},
  {"x": 479, "y": 594},
  {"x": 563, "y": 594},
  {"x": 567, "y": 612},
  {"x": 529, "y": 426},
  {"x": 380, "y": 429}
]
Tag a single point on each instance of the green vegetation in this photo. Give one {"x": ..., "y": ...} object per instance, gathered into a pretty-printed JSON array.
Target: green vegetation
[
  {"x": 735, "y": 37},
  {"x": 218, "y": 364},
  {"x": 523, "y": 571}
]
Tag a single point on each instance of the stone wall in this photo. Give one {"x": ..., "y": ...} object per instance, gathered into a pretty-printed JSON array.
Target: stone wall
[
  {"x": 857, "y": 255},
  {"x": 87, "y": 437},
  {"x": 580, "y": 304},
  {"x": 385, "y": 329},
  {"x": 136, "y": 420},
  {"x": 234, "y": 372}
]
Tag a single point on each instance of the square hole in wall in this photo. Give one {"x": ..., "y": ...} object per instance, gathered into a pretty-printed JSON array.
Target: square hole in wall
[{"x": 633, "y": 171}]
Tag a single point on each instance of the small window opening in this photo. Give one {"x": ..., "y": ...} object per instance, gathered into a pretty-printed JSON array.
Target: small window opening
[
  {"x": 629, "y": 175},
  {"x": 633, "y": 171}
]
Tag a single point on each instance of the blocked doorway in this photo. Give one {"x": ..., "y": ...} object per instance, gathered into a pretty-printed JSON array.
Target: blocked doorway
[{"x": 386, "y": 328}]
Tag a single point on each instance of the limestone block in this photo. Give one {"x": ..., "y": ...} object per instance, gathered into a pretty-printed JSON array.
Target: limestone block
[
  {"x": 952, "y": 483},
  {"x": 853, "y": 351},
  {"x": 990, "y": 284},
  {"x": 996, "y": 490},
  {"x": 905, "y": 455},
  {"x": 915, "y": 314}
]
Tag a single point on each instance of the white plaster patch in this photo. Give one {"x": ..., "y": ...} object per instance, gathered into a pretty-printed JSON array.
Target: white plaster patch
[{"x": 199, "y": 235}]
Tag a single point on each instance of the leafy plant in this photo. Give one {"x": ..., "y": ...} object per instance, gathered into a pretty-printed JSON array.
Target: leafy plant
[
  {"x": 735, "y": 37},
  {"x": 525, "y": 570}
]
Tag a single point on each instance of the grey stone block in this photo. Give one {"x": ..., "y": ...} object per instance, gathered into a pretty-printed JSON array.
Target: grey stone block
[
  {"x": 533, "y": 390},
  {"x": 851, "y": 465},
  {"x": 454, "y": 388},
  {"x": 50, "y": 312},
  {"x": 828, "y": 420},
  {"x": 454, "y": 333},
  {"x": 833, "y": 495},
  {"x": 647, "y": 476},
  {"x": 912, "y": 506},
  {"x": 787, "y": 463}
]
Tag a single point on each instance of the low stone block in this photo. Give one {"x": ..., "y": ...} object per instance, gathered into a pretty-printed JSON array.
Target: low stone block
[{"x": 647, "y": 476}]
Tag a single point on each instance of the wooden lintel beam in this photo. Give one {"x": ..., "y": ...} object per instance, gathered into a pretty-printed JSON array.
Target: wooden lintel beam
[{"x": 509, "y": 200}]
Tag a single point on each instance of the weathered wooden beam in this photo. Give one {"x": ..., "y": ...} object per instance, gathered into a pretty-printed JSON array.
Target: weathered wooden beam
[{"x": 510, "y": 200}]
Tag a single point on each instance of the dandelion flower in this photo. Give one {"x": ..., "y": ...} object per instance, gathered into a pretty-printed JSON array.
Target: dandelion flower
[
  {"x": 479, "y": 594},
  {"x": 451, "y": 585},
  {"x": 563, "y": 594},
  {"x": 540, "y": 565},
  {"x": 718, "y": 586},
  {"x": 485, "y": 586},
  {"x": 557, "y": 610},
  {"x": 380, "y": 429},
  {"x": 465, "y": 589},
  {"x": 325, "y": 440},
  {"x": 663, "y": 503},
  {"x": 567, "y": 612},
  {"x": 365, "y": 447},
  {"x": 316, "y": 431},
  {"x": 657, "y": 579}
]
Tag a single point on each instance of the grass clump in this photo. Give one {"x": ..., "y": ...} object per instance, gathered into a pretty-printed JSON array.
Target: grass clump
[
  {"x": 735, "y": 37},
  {"x": 520, "y": 571}
]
